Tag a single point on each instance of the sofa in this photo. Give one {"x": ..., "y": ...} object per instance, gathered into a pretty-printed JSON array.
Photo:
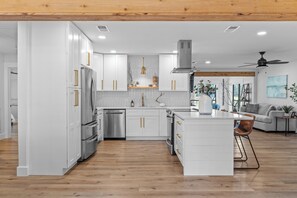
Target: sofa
[{"x": 265, "y": 117}]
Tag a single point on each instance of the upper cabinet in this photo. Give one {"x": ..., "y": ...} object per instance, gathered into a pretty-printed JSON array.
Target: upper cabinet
[
  {"x": 86, "y": 51},
  {"x": 115, "y": 73},
  {"x": 169, "y": 81},
  {"x": 98, "y": 67},
  {"x": 74, "y": 38}
]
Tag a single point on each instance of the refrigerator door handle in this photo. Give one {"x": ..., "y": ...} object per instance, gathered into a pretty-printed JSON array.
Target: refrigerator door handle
[
  {"x": 91, "y": 96},
  {"x": 93, "y": 125},
  {"x": 92, "y": 140}
]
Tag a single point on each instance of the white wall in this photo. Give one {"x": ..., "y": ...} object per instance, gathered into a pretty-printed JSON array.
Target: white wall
[
  {"x": 275, "y": 70},
  {"x": 2, "y": 96},
  {"x": 123, "y": 99}
]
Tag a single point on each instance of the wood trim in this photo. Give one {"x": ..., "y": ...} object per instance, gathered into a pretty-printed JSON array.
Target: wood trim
[
  {"x": 225, "y": 74},
  {"x": 150, "y": 10}
]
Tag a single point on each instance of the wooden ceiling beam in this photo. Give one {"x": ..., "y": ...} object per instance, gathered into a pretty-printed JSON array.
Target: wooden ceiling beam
[
  {"x": 234, "y": 74},
  {"x": 150, "y": 10}
]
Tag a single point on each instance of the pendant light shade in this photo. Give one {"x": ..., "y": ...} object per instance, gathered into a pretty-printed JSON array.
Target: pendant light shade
[{"x": 143, "y": 68}]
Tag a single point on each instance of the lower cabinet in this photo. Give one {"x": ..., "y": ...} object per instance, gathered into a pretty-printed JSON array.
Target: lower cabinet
[
  {"x": 142, "y": 123},
  {"x": 100, "y": 125},
  {"x": 74, "y": 126}
]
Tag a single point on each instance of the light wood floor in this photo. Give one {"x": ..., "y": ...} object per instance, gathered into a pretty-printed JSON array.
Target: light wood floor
[{"x": 145, "y": 169}]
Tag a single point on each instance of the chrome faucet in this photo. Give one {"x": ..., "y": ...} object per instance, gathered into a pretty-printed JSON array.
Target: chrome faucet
[{"x": 142, "y": 100}]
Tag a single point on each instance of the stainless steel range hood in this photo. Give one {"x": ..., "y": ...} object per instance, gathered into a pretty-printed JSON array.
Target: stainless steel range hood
[{"x": 184, "y": 58}]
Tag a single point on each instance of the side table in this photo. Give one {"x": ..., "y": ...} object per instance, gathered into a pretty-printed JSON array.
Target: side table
[{"x": 287, "y": 122}]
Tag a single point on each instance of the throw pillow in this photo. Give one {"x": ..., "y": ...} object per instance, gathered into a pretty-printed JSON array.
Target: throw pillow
[
  {"x": 252, "y": 108},
  {"x": 263, "y": 108}
]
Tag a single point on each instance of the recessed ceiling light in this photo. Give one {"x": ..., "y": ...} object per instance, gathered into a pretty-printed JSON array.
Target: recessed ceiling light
[
  {"x": 102, "y": 37},
  {"x": 174, "y": 51},
  {"x": 207, "y": 62},
  {"x": 261, "y": 33},
  {"x": 113, "y": 51}
]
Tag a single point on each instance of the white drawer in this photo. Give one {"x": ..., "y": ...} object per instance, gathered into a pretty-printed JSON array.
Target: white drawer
[
  {"x": 150, "y": 112},
  {"x": 133, "y": 112}
]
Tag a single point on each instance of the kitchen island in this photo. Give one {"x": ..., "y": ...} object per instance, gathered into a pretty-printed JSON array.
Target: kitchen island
[{"x": 204, "y": 144}]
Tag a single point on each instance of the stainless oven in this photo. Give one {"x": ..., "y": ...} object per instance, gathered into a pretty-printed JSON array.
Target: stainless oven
[
  {"x": 170, "y": 132},
  {"x": 170, "y": 126}
]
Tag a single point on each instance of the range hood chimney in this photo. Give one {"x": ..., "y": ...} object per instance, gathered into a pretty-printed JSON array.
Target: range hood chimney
[{"x": 184, "y": 57}]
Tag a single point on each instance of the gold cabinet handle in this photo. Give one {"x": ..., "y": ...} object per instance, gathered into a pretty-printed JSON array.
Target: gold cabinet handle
[
  {"x": 178, "y": 122},
  {"x": 171, "y": 84},
  {"x": 89, "y": 58},
  {"x": 76, "y": 98},
  {"x": 140, "y": 119},
  {"x": 116, "y": 84},
  {"x": 174, "y": 84},
  {"x": 143, "y": 122},
  {"x": 102, "y": 84},
  {"x": 113, "y": 85},
  {"x": 178, "y": 135},
  {"x": 75, "y": 77}
]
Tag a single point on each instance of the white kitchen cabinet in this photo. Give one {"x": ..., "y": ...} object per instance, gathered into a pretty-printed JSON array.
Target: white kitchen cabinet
[
  {"x": 109, "y": 72},
  {"x": 115, "y": 73},
  {"x": 74, "y": 126},
  {"x": 98, "y": 67},
  {"x": 51, "y": 51},
  {"x": 150, "y": 126},
  {"x": 142, "y": 123},
  {"x": 163, "y": 122},
  {"x": 134, "y": 126},
  {"x": 169, "y": 81},
  {"x": 74, "y": 36},
  {"x": 121, "y": 72},
  {"x": 86, "y": 51}
]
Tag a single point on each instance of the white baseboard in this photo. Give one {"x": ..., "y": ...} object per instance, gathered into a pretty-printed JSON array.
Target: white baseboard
[
  {"x": 2, "y": 136},
  {"x": 22, "y": 171},
  {"x": 146, "y": 138}
]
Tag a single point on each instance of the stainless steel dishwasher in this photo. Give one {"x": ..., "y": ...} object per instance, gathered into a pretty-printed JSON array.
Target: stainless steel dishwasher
[{"x": 114, "y": 124}]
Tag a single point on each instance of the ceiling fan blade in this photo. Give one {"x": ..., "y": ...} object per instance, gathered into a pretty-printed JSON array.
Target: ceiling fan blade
[
  {"x": 280, "y": 62},
  {"x": 248, "y": 65},
  {"x": 271, "y": 61}
]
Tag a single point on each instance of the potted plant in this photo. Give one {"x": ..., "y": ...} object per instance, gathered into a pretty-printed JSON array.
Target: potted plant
[
  {"x": 205, "y": 88},
  {"x": 287, "y": 109},
  {"x": 293, "y": 89}
]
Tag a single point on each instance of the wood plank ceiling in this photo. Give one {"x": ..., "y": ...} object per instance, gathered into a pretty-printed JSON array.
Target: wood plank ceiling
[{"x": 150, "y": 10}]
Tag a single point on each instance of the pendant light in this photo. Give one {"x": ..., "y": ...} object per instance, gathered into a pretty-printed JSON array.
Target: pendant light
[{"x": 143, "y": 68}]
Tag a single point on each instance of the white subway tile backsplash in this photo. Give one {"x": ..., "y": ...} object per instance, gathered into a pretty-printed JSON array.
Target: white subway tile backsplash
[{"x": 116, "y": 99}]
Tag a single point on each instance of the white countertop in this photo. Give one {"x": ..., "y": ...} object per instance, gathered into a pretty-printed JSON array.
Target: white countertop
[
  {"x": 145, "y": 107},
  {"x": 216, "y": 114}
]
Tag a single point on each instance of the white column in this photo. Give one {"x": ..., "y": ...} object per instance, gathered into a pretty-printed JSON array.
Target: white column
[
  {"x": 2, "y": 132},
  {"x": 24, "y": 93}
]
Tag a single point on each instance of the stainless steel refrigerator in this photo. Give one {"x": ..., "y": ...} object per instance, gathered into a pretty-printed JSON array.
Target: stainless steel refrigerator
[{"x": 89, "y": 113}]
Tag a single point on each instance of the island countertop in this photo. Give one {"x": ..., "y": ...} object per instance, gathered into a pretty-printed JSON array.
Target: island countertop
[{"x": 216, "y": 114}]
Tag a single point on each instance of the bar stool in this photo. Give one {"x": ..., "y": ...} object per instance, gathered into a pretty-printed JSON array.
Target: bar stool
[{"x": 244, "y": 129}]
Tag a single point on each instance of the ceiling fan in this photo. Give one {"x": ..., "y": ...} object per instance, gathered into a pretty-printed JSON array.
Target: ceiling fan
[{"x": 262, "y": 62}]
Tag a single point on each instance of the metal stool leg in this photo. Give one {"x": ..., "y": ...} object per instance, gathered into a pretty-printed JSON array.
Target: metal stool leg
[
  {"x": 258, "y": 164},
  {"x": 241, "y": 155}
]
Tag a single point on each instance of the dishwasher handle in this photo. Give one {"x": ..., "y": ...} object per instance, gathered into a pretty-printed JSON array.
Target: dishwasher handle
[{"x": 114, "y": 112}]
